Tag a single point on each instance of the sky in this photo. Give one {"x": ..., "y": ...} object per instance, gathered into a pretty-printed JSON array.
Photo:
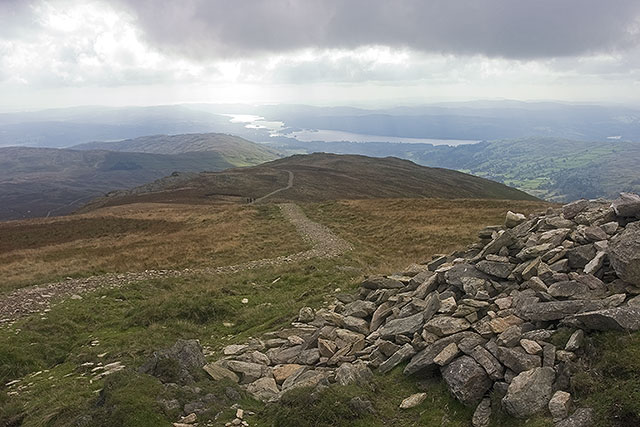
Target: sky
[{"x": 58, "y": 53}]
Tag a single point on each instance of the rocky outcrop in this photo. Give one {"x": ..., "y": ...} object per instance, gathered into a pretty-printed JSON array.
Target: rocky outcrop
[{"x": 482, "y": 318}]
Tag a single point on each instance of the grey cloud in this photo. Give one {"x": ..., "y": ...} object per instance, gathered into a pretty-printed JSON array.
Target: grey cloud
[
  {"x": 515, "y": 29},
  {"x": 17, "y": 18}
]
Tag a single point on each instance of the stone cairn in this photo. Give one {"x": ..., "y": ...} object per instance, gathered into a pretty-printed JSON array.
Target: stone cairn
[{"x": 483, "y": 318}]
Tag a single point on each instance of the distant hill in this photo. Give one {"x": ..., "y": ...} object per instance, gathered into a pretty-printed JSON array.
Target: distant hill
[
  {"x": 46, "y": 181},
  {"x": 319, "y": 177},
  {"x": 551, "y": 168},
  {"x": 237, "y": 151}
]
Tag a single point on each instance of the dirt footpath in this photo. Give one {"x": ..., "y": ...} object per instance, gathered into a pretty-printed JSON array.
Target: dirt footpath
[{"x": 21, "y": 302}]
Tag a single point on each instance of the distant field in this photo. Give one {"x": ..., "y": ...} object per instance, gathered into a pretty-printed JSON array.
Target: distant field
[
  {"x": 391, "y": 233},
  {"x": 141, "y": 236}
]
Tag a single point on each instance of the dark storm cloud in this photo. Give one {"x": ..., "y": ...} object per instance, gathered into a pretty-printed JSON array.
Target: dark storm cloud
[{"x": 518, "y": 29}]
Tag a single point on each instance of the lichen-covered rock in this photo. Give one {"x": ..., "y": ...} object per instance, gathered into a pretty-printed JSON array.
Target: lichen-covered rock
[
  {"x": 582, "y": 417},
  {"x": 467, "y": 380},
  {"x": 627, "y": 205},
  {"x": 405, "y": 326},
  {"x": 482, "y": 414},
  {"x": 181, "y": 363},
  {"x": 624, "y": 253},
  {"x": 612, "y": 319},
  {"x": 354, "y": 373},
  {"x": 529, "y": 392},
  {"x": 559, "y": 405}
]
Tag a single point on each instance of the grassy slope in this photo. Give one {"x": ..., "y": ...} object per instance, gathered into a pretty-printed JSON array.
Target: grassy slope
[
  {"x": 139, "y": 237},
  {"x": 552, "y": 168},
  {"x": 235, "y": 150},
  {"x": 35, "y": 181},
  {"x": 133, "y": 321},
  {"x": 327, "y": 177}
]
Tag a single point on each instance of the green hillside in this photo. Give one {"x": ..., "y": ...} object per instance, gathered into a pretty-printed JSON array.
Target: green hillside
[
  {"x": 319, "y": 177},
  {"x": 235, "y": 150}
]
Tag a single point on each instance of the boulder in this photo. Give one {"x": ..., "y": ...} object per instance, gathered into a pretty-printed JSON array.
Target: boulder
[
  {"x": 482, "y": 414},
  {"x": 445, "y": 325},
  {"x": 326, "y": 348},
  {"x": 181, "y": 363},
  {"x": 596, "y": 263},
  {"x": 627, "y": 205},
  {"x": 490, "y": 364},
  {"x": 553, "y": 310},
  {"x": 624, "y": 253},
  {"x": 354, "y": 373},
  {"x": 612, "y": 319},
  {"x": 529, "y": 392},
  {"x": 359, "y": 308},
  {"x": 264, "y": 388},
  {"x": 249, "y": 372},
  {"x": 495, "y": 268},
  {"x": 580, "y": 256},
  {"x": 281, "y": 356},
  {"x": 517, "y": 361},
  {"x": 503, "y": 240},
  {"x": 381, "y": 282},
  {"x": 361, "y": 406},
  {"x": 455, "y": 275},
  {"x": 559, "y": 405},
  {"x": 405, "y": 326},
  {"x": 575, "y": 341},
  {"x": 569, "y": 211},
  {"x": 423, "y": 360},
  {"x": 404, "y": 353},
  {"x": 306, "y": 315},
  {"x": 512, "y": 219},
  {"x": 447, "y": 354},
  {"x": 218, "y": 373},
  {"x": 582, "y": 417},
  {"x": 309, "y": 378},
  {"x": 282, "y": 372},
  {"x": 383, "y": 311},
  {"x": 356, "y": 324},
  {"x": 530, "y": 346},
  {"x": 413, "y": 400},
  {"x": 569, "y": 289},
  {"x": 467, "y": 380}
]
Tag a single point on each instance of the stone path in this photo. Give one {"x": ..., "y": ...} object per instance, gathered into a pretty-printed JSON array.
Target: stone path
[{"x": 21, "y": 302}]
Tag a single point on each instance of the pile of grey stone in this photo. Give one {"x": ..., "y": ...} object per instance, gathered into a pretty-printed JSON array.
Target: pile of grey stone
[{"x": 483, "y": 318}]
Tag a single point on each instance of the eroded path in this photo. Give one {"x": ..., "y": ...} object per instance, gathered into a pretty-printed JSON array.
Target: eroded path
[{"x": 324, "y": 244}]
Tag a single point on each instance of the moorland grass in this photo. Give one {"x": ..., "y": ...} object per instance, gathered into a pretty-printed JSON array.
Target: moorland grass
[
  {"x": 139, "y": 237},
  {"x": 131, "y": 322}
]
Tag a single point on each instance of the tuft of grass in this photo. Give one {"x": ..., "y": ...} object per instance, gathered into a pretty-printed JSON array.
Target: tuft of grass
[
  {"x": 331, "y": 406},
  {"x": 610, "y": 379}
]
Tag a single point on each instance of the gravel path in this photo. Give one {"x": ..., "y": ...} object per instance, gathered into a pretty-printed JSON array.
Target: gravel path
[{"x": 21, "y": 302}]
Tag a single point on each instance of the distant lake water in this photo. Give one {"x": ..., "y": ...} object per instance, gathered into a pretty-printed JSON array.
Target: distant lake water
[
  {"x": 277, "y": 128},
  {"x": 336, "y": 135}
]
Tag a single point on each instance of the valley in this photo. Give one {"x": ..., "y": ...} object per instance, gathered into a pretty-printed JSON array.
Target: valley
[{"x": 40, "y": 182}]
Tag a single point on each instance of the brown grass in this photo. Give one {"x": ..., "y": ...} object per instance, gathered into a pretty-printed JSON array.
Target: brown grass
[
  {"x": 389, "y": 234},
  {"x": 141, "y": 236}
]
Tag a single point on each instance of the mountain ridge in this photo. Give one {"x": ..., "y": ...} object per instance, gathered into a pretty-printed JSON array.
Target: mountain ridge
[{"x": 318, "y": 177}]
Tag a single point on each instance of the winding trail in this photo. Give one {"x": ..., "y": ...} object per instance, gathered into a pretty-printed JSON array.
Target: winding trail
[
  {"x": 35, "y": 299},
  {"x": 288, "y": 186}
]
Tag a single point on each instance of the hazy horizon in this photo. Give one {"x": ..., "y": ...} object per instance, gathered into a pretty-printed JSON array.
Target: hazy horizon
[{"x": 62, "y": 53}]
